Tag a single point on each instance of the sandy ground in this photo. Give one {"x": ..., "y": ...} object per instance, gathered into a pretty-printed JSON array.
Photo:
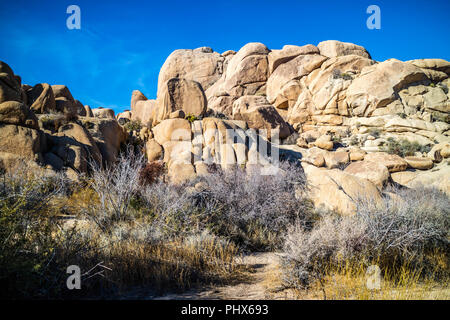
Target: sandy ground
[{"x": 262, "y": 282}]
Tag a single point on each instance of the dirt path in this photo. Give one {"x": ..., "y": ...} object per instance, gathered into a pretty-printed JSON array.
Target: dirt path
[{"x": 261, "y": 284}]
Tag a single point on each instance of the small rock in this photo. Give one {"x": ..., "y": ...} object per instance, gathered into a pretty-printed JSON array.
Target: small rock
[{"x": 324, "y": 142}]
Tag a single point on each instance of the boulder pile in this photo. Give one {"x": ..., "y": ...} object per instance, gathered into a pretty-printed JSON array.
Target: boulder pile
[
  {"x": 353, "y": 123},
  {"x": 44, "y": 126}
]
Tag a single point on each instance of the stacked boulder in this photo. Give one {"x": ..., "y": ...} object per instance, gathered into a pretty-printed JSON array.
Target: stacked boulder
[
  {"x": 332, "y": 106},
  {"x": 44, "y": 126}
]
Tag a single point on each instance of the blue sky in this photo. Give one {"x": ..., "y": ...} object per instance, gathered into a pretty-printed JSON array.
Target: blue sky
[{"x": 122, "y": 44}]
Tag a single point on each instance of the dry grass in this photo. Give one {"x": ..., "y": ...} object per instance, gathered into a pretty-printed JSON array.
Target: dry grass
[
  {"x": 406, "y": 237},
  {"x": 47, "y": 224},
  {"x": 349, "y": 282}
]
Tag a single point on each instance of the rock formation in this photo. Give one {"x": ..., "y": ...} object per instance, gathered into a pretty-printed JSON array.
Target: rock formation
[
  {"x": 45, "y": 126},
  {"x": 354, "y": 123}
]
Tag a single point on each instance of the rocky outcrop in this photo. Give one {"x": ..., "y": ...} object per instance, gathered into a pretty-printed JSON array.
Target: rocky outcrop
[
  {"x": 104, "y": 113},
  {"x": 375, "y": 172},
  {"x": 337, "y": 190},
  {"x": 180, "y": 95},
  {"x": 142, "y": 109},
  {"x": 60, "y": 137},
  {"x": 41, "y": 99},
  {"x": 259, "y": 114},
  {"x": 201, "y": 65},
  {"x": 333, "y": 48},
  {"x": 108, "y": 136},
  {"x": 10, "y": 88},
  {"x": 355, "y": 124}
]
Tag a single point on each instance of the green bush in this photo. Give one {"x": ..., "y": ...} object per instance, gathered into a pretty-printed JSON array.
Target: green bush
[
  {"x": 191, "y": 118},
  {"x": 404, "y": 147},
  {"x": 375, "y": 132},
  {"x": 133, "y": 125}
]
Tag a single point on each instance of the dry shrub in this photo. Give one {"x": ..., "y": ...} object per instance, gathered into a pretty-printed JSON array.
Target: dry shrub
[
  {"x": 402, "y": 234},
  {"x": 254, "y": 209},
  {"x": 115, "y": 186},
  {"x": 38, "y": 245},
  {"x": 151, "y": 172}
]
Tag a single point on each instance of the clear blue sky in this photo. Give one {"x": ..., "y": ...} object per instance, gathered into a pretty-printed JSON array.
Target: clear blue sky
[{"x": 122, "y": 44}]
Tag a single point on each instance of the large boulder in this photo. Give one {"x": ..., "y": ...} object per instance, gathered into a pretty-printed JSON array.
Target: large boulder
[
  {"x": 259, "y": 114},
  {"x": 62, "y": 91},
  {"x": 84, "y": 138},
  {"x": 393, "y": 162},
  {"x": 440, "y": 65},
  {"x": 336, "y": 159},
  {"x": 181, "y": 94},
  {"x": 105, "y": 113},
  {"x": 327, "y": 86},
  {"x": 66, "y": 106},
  {"x": 375, "y": 172},
  {"x": 421, "y": 163},
  {"x": 172, "y": 130},
  {"x": 334, "y": 48},
  {"x": 22, "y": 141},
  {"x": 10, "y": 88},
  {"x": 143, "y": 110},
  {"x": 41, "y": 99},
  {"x": 201, "y": 65},
  {"x": 378, "y": 85},
  {"x": 337, "y": 190},
  {"x": 65, "y": 103},
  {"x": 246, "y": 74},
  {"x": 17, "y": 113},
  {"x": 324, "y": 142},
  {"x": 289, "y": 52},
  {"x": 107, "y": 134},
  {"x": 430, "y": 178},
  {"x": 283, "y": 87},
  {"x": 153, "y": 150},
  {"x": 70, "y": 152}
]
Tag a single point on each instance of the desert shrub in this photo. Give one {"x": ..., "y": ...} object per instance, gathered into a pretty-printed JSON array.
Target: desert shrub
[
  {"x": 115, "y": 187},
  {"x": 354, "y": 141},
  {"x": 404, "y": 147},
  {"x": 402, "y": 233},
  {"x": 151, "y": 172},
  {"x": 26, "y": 223},
  {"x": 133, "y": 125},
  {"x": 375, "y": 132},
  {"x": 191, "y": 118},
  {"x": 246, "y": 207},
  {"x": 115, "y": 253},
  {"x": 402, "y": 115},
  {"x": 338, "y": 74},
  {"x": 253, "y": 209}
]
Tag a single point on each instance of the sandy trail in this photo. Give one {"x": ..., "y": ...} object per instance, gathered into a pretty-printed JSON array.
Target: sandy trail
[{"x": 263, "y": 278}]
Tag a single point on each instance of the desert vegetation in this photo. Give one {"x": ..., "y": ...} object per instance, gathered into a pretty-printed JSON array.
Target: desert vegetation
[
  {"x": 406, "y": 237},
  {"x": 129, "y": 230},
  {"x": 125, "y": 228}
]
